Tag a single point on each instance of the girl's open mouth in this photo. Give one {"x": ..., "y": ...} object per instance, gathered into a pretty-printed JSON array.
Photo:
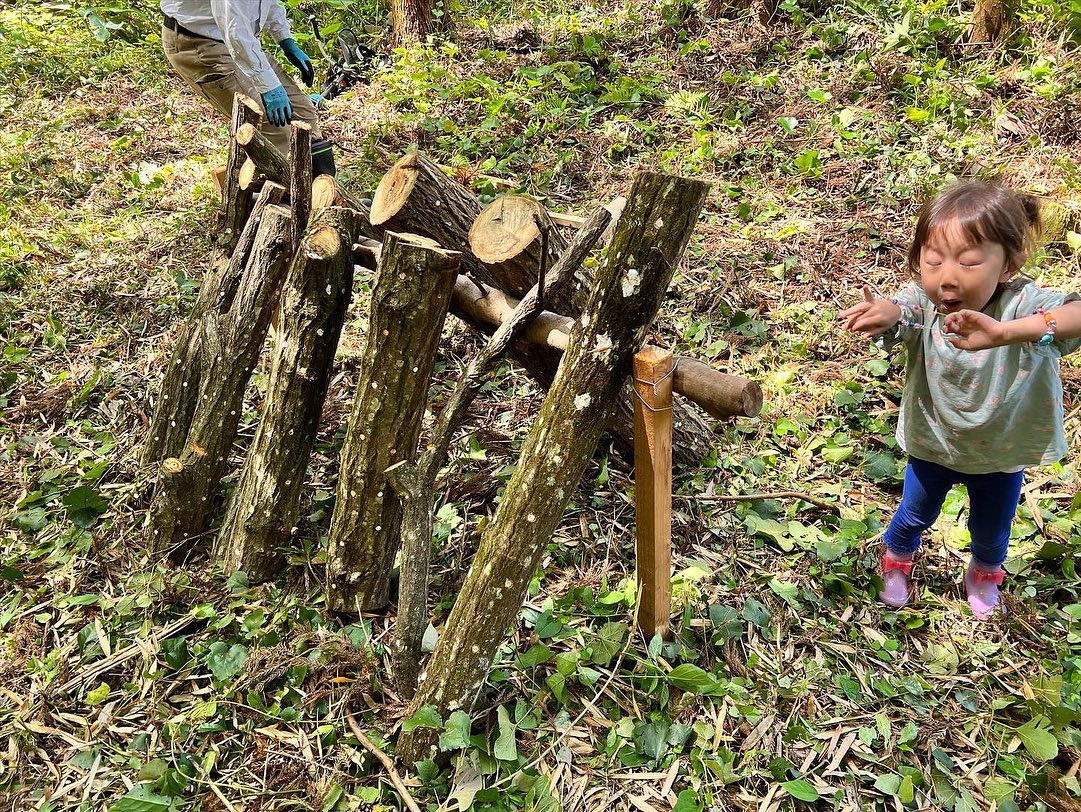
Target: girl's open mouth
[{"x": 950, "y": 305}]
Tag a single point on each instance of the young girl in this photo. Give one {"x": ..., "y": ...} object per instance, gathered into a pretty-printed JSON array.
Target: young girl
[{"x": 982, "y": 398}]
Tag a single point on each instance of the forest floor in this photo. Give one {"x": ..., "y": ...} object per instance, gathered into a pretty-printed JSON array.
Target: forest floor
[{"x": 128, "y": 683}]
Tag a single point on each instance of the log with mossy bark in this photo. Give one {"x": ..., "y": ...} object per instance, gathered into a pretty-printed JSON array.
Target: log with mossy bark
[
  {"x": 631, "y": 283},
  {"x": 232, "y": 334},
  {"x": 275, "y": 166},
  {"x": 416, "y": 484},
  {"x": 409, "y": 301},
  {"x": 179, "y": 392},
  {"x": 416, "y": 195},
  {"x": 237, "y": 198},
  {"x": 266, "y": 501},
  {"x": 484, "y": 308}
]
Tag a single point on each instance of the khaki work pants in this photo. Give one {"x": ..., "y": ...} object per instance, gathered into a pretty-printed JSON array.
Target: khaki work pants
[{"x": 207, "y": 66}]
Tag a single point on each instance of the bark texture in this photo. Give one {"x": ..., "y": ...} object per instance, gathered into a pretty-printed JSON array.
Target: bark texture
[
  {"x": 237, "y": 198},
  {"x": 275, "y": 166},
  {"x": 990, "y": 19},
  {"x": 416, "y": 484},
  {"x": 649, "y": 241},
  {"x": 410, "y": 297},
  {"x": 411, "y": 20},
  {"x": 184, "y": 374},
  {"x": 266, "y": 501},
  {"x": 232, "y": 334},
  {"x": 417, "y": 196}
]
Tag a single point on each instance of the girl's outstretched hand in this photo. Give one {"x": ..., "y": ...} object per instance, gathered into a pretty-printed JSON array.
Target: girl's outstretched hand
[
  {"x": 971, "y": 330},
  {"x": 871, "y": 316}
]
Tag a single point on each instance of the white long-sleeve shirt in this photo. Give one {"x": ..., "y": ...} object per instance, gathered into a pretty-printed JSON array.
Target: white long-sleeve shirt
[{"x": 237, "y": 23}]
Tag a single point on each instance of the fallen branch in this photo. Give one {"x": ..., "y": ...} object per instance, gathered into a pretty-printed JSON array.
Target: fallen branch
[
  {"x": 753, "y": 497},
  {"x": 384, "y": 759}
]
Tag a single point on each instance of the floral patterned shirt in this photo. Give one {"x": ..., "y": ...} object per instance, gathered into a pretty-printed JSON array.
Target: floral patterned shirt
[{"x": 982, "y": 411}]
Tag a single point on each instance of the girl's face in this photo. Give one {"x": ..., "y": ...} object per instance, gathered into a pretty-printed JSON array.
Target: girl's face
[{"x": 958, "y": 274}]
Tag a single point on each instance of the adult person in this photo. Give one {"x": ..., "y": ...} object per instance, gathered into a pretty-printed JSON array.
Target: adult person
[{"x": 214, "y": 46}]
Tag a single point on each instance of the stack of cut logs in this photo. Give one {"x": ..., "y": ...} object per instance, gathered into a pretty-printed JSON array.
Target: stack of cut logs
[{"x": 292, "y": 244}]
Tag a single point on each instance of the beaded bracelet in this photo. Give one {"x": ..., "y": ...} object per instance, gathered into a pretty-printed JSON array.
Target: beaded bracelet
[
  {"x": 1052, "y": 326},
  {"x": 908, "y": 314}
]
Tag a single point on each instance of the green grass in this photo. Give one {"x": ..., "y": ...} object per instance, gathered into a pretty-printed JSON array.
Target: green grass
[{"x": 784, "y": 680}]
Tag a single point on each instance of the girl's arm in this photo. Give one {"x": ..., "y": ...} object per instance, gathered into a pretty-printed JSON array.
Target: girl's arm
[{"x": 978, "y": 331}]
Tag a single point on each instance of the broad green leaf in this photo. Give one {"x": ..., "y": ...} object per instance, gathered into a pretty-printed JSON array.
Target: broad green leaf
[
  {"x": 426, "y": 716},
  {"x": 141, "y": 799},
  {"x": 687, "y": 801},
  {"x": 880, "y": 465},
  {"x": 456, "y": 735},
  {"x": 692, "y": 679},
  {"x": 800, "y": 790},
  {"x": 756, "y": 612},
  {"x": 98, "y": 695},
  {"x": 505, "y": 748},
  {"x": 538, "y": 654},
  {"x": 1038, "y": 739},
  {"x": 225, "y": 661},
  {"x": 837, "y": 454},
  {"x": 84, "y": 505},
  {"x": 1073, "y": 239},
  {"x": 906, "y": 793},
  {"x": 608, "y": 643},
  {"x": 888, "y": 784}
]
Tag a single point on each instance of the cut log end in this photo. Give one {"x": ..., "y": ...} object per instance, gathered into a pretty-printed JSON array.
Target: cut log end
[
  {"x": 324, "y": 243},
  {"x": 752, "y": 399},
  {"x": 394, "y": 189},
  {"x": 505, "y": 228},
  {"x": 172, "y": 466},
  {"x": 423, "y": 242},
  {"x": 249, "y": 176},
  {"x": 245, "y": 134}
]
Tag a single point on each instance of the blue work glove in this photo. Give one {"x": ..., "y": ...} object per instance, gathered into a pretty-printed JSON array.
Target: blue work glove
[
  {"x": 278, "y": 109},
  {"x": 299, "y": 59}
]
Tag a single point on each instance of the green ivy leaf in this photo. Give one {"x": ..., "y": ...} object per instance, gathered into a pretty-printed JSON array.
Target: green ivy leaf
[
  {"x": 800, "y": 790},
  {"x": 692, "y": 679},
  {"x": 141, "y": 799},
  {"x": 225, "y": 661},
  {"x": 756, "y": 612},
  {"x": 608, "y": 643},
  {"x": 1038, "y": 739},
  {"x": 456, "y": 736},
  {"x": 888, "y": 784},
  {"x": 505, "y": 748},
  {"x": 84, "y": 505},
  {"x": 426, "y": 716}
]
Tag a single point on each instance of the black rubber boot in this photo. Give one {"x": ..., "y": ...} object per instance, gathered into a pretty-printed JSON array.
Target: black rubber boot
[{"x": 322, "y": 158}]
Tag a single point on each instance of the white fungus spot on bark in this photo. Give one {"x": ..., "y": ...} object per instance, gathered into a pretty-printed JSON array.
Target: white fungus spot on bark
[
  {"x": 583, "y": 401},
  {"x": 659, "y": 222},
  {"x": 530, "y": 518},
  {"x": 375, "y": 384},
  {"x": 330, "y": 290},
  {"x": 603, "y": 343},
  {"x": 585, "y": 319},
  {"x": 630, "y": 282}
]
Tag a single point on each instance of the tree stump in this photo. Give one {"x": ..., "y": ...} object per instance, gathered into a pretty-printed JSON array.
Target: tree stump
[
  {"x": 179, "y": 392},
  {"x": 232, "y": 334},
  {"x": 417, "y": 196},
  {"x": 648, "y": 243},
  {"x": 410, "y": 296},
  {"x": 266, "y": 501}
]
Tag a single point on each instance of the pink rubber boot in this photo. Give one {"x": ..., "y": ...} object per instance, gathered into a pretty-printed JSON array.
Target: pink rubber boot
[
  {"x": 896, "y": 570},
  {"x": 981, "y": 587}
]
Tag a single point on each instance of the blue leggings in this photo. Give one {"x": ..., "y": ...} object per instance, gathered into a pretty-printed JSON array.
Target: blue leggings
[{"x": 993, "y": 502}]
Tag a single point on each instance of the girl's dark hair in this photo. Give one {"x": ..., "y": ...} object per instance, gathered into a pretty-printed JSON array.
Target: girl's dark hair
[{"x": 985, "y": 212}]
